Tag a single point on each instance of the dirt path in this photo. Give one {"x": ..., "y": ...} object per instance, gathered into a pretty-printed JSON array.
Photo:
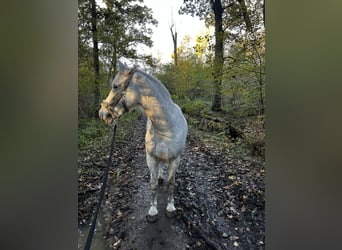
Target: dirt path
[{"x": 220, "y": 201}]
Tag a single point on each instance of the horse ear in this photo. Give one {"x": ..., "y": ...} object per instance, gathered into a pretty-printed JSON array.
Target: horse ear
[{"x": 123, "y": 67}]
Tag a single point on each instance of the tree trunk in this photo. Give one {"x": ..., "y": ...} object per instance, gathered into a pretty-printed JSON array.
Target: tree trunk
[
  {"x": 218, "y": 61},
  {"x": 95, "y": 56},
  {"x": 245, "y": 15},
  {"x": 113, "y": 66},
  {"x": 174, "y": 39}
]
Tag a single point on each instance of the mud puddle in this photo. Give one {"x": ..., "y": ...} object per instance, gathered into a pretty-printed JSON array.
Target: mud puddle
[{"x": 98, "y": 241}]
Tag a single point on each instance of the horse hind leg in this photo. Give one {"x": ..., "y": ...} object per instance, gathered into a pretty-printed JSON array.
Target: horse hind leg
[
  {"x": 170, "y": 209},
  {"x": 153, "y": 167}
]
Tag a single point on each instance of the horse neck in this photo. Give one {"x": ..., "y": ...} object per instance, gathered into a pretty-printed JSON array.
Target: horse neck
[{"x": 155, "y": 101}]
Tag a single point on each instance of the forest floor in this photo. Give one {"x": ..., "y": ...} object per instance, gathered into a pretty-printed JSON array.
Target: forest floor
[{"x": 219, "y": 195}]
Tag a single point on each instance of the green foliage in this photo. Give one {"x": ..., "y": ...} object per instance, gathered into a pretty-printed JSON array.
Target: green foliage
[
  {"x": 233, "y": 14},
  {"x": 125, "y": 24},
  {"x": 191, "y": 78},
  {"x": 243, "y": 78},
  {"x": 89, "y": 130},
  {"x": 193, "y": 107},
  {"x": 189, "y": 83},
  {"x": 94, "y": 132}
]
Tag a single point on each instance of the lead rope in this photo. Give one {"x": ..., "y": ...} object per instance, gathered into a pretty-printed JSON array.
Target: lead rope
[{"x": 102, "y": 193}]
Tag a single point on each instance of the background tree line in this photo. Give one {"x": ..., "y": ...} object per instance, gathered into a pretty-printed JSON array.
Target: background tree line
[{"x": 222, "y": 70}]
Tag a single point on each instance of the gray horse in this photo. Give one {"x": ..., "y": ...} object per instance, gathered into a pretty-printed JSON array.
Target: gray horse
[{"x": 166, "y": 128}]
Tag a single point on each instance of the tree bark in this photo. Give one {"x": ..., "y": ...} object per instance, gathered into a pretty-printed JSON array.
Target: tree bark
[
  {"x": 216, "y": 5},
  {"x": 95, "y": 56}
]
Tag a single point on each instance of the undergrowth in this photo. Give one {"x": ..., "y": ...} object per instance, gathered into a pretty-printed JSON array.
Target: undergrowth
[
  {"x": 94, "y": 132},
  {"x": 219, "y": 139}
]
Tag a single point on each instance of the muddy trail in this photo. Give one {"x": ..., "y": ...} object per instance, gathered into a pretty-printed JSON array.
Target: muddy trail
[{"x": 220, "y": 199}]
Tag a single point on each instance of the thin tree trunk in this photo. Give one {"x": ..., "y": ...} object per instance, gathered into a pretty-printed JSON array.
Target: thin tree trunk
[
  {"x": 95, "y": 56},
  {"x": 218, "y": 61},
  {"x": 113, "y": 66},
  {"x": 174, "y": 39},
  {"x": 245, "y": 15}
]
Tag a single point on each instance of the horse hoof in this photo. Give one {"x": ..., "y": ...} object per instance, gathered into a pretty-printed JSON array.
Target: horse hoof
[
  {"x": 171, "y": 214},
  {"x": 151, "y": 218},
  {"x": 160, "y": 181}
]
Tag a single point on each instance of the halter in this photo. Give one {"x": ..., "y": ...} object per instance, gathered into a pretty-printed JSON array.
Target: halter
[{"x": 119, "y": 97}]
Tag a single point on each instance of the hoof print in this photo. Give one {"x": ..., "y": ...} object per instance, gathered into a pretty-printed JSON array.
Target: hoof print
[{"x": 151, "y": 219}]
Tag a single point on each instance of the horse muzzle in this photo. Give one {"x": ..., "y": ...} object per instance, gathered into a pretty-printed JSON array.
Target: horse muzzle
[{"x": 107, "y": 117}]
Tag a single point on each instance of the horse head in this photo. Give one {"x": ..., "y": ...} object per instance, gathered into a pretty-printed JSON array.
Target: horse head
[{"x": 114, "y": 106}]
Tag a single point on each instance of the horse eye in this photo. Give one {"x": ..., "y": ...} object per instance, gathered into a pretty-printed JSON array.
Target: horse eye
[{"x": 115, "y": 87}]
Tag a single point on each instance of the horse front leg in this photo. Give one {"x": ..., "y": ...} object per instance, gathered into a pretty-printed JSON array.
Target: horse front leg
[
  {"x": 153, "y": 167},
  {"x": 170, "y": 209}
]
